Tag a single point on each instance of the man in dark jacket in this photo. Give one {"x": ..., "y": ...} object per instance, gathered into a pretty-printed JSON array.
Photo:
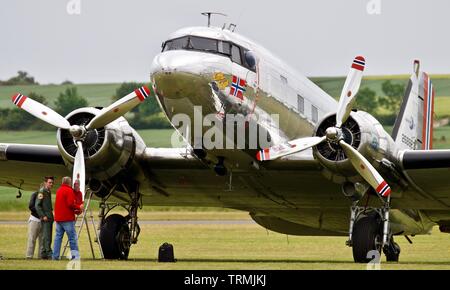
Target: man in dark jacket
[
  {"x": 65, "y": 207},
  {"x": 44, "y": 210}
]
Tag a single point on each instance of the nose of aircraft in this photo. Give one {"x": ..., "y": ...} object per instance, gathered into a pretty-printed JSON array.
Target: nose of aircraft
[
  {"x": 182, "y": 79},
  {"x": 199, "y": 63}
]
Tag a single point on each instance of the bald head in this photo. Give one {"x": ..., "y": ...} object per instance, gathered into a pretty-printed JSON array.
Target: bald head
[{"x": 67, "y": 180}]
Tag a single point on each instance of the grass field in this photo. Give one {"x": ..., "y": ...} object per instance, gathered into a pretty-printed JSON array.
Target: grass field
[
  {"x": 100, "y": 94},
  {"x": 236, "y": 246},
  {"x": 152, "y": 137},
  {"x": 96, "y": 94}
]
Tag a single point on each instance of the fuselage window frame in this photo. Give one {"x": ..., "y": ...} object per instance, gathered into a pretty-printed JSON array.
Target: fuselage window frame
[
  {"x": 314, "y": 114},
  {"x": 300, "y": 104}
]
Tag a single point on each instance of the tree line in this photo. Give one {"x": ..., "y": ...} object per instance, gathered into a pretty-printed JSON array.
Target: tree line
[
  {"x": 368, "y": 101},
  {"x": 145, "y": 116},
  {"x": 148, "y": 115}
]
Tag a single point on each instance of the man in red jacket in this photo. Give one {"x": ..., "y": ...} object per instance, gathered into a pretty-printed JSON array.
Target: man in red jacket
[{"x": 65, "y": 208}]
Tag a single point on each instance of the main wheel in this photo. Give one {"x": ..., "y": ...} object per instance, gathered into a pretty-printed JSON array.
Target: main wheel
[
  {"x": 367, "y": 237},
  {"x": 115, "y": 237}
]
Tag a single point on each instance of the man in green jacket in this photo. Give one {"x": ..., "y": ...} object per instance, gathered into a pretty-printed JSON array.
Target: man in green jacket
[{"x": 45, "y": 211}]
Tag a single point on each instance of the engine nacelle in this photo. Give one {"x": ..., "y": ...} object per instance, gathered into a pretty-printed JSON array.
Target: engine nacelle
[
  {"x": 108, "y": 150},
  {"x": 363, "y": 132}
]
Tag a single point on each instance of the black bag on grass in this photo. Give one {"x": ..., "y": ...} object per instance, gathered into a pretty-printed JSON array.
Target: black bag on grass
[{"x": 165, "y": 253}]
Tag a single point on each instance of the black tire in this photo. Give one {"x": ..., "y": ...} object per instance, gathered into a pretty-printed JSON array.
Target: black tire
[
  {"x": 115, "y": 238},
  {"x": 366, "y": 237},
  {"x": 392, "y": 252}
]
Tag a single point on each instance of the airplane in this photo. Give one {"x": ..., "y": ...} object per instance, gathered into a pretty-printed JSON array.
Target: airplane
[{"x": 323, "y": 168}]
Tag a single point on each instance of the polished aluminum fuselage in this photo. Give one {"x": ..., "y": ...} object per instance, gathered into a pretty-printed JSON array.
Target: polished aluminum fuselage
[
  {"x": 183, "y": 80},
  {"x": 293, "y": 190}
]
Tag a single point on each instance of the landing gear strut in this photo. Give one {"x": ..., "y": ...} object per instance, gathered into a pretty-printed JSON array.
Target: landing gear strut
[
  {"x": 118, "y": 233},
  {"x": 369, "y": 231}
]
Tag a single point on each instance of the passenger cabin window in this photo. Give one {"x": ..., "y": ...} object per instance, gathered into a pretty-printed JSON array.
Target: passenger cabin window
[
  {"x": 315, "y": 114},
  {"x": 300, "y": 104},
  {"x": 189, "y": 42}
]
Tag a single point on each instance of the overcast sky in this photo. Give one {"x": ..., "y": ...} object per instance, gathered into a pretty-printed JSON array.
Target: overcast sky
[{"x": 116, "y": 40}]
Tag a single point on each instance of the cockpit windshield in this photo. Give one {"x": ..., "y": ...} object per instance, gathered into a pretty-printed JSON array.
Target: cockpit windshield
[
  {"x": 192, "y": 43},
  {"x": 196, "y": 43}
]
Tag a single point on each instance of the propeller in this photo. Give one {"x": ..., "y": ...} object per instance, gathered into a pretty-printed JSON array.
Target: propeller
[
  {"x": 106, "y": 116},
  {"x": 335, "y": 135}
]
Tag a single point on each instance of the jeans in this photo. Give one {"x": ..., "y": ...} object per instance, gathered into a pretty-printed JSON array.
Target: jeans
[{"x": 69, "y": 228}]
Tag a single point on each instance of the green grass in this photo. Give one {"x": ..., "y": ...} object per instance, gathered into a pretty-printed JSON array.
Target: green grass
[
  {"x": 442, "y": 107},
  {"x": 238, "y": 246},
  {"x": 96, "y": 94}
]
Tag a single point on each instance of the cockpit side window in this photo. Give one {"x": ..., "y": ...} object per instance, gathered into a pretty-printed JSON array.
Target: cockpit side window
[
  {"x": 225, "y": 47},
  {"x": 236, "y": 54}
]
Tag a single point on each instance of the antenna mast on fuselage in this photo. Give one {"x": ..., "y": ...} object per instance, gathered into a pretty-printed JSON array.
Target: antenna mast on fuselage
[{"x": 208, "y": 14}]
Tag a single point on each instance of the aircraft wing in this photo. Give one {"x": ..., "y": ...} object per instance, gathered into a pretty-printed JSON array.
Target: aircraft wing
[
  {"x": 429, "y": 170},
  {"x": 24, "y": 166}
]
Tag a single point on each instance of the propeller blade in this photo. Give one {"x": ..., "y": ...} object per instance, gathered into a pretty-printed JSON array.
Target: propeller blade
[
  {"x": 288, "y": 148},
  {"x": 79, "y": 172},
  {"x": 119, "y": 108},
  {"x": 40, "y": 111},
  {"x": 350, "y": 90},
  {"x": 366, "y": 170}
]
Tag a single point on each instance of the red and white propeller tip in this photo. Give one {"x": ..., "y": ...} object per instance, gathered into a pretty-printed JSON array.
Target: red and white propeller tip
[
  {"x": 350, "y": 89},
  {"x": 119, "y": 108},
  {"x": 359, "y": 63},
  {"x": 40, "y": 111},
  {"x": 366, "y": 170}
]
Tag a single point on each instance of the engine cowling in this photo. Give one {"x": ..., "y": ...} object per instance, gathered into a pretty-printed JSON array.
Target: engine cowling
[
  {"x": 107, "y": 150},
  {"x": 364, "y": 133}
]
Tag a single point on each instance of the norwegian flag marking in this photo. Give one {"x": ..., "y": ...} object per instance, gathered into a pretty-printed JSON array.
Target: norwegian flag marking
[
  {"x": 238, "y": 87},
  {"x": 142, "y": 93},
  {"x": 383, "y": 189},
  {"x": 359, "y": 63},
  {"x": 18, "y": 100}
]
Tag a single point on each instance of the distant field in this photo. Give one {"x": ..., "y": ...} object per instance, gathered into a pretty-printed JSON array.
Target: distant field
[
  {"x": 96, "y": 94},
  {"x": 333, "y": 85},
  {"x": 152, "y": 137},
  {"x": 100, "y": 94}
]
